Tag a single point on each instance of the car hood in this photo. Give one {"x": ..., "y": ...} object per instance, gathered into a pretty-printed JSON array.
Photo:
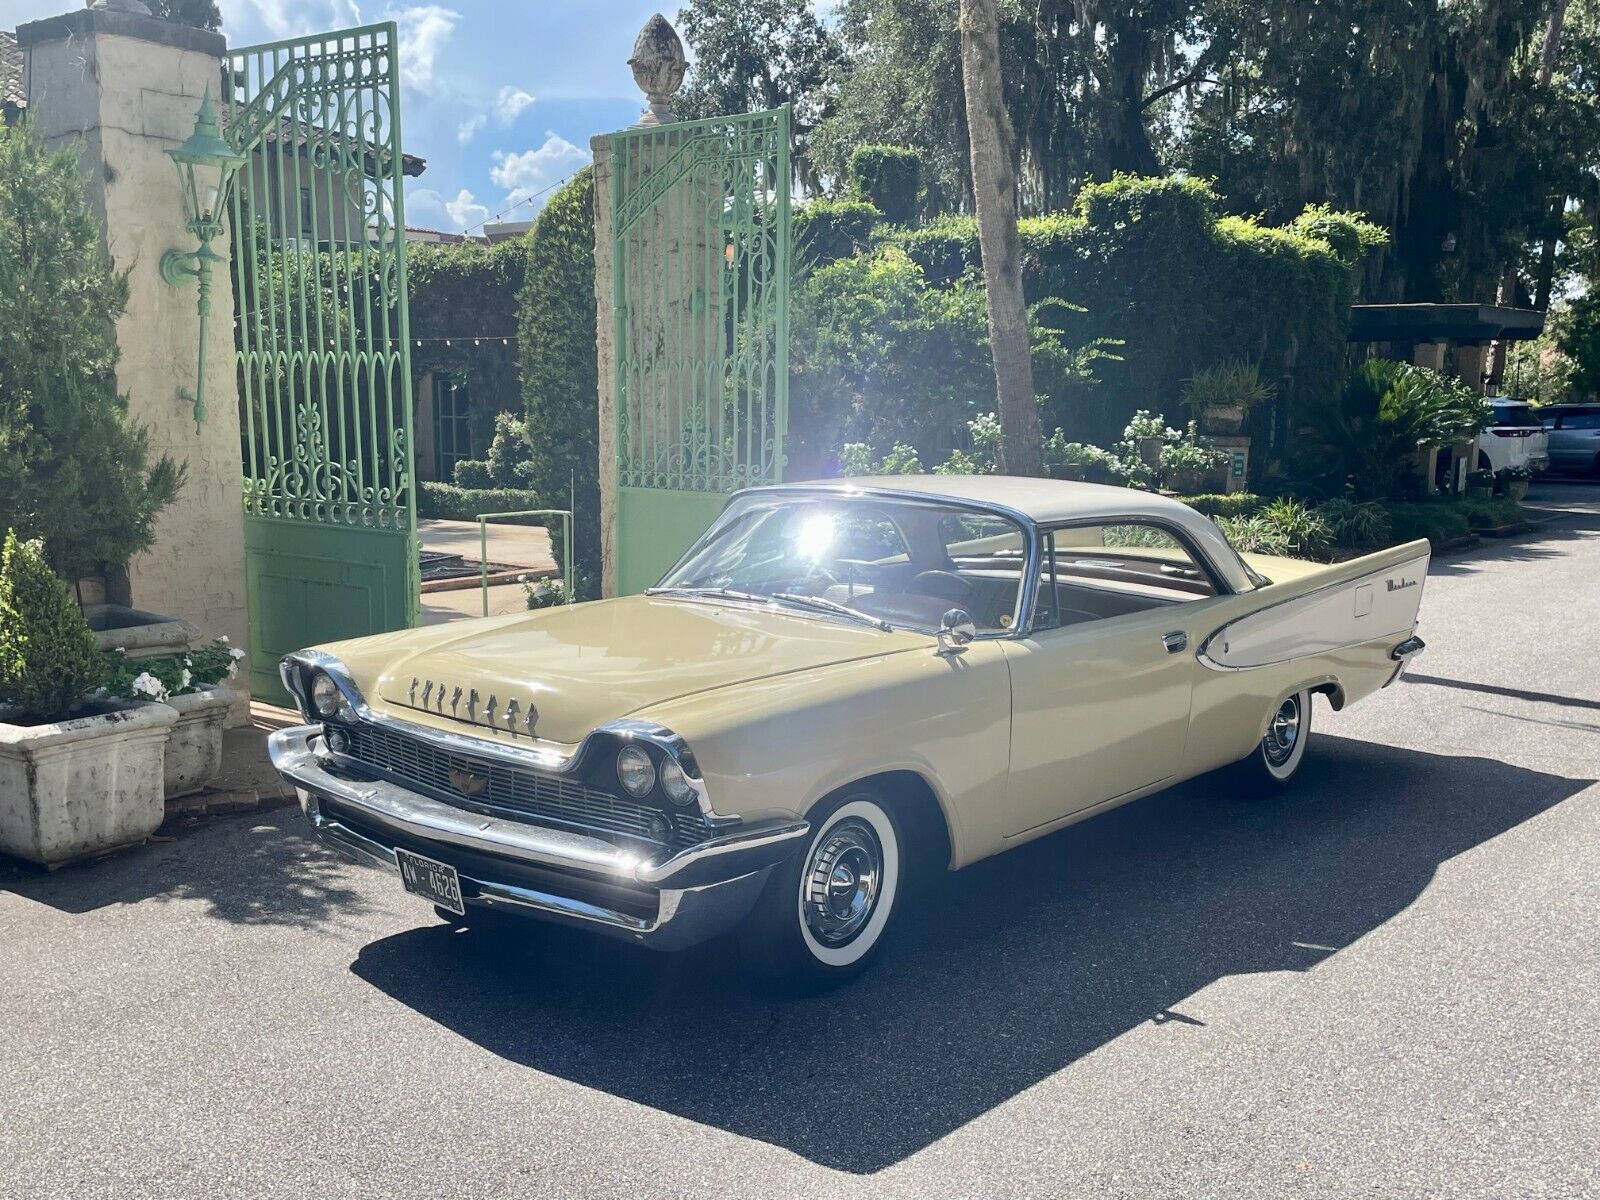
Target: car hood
[{"x": 587, "y": 664}]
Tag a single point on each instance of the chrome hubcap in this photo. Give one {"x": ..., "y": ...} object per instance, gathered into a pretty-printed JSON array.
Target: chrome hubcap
[
  {"x": 1283, "y": 733},
  {"x": 842, "y": 882}
]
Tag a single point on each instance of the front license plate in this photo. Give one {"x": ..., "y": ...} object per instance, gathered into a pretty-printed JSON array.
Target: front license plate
[{"x": 435, "y": 881}]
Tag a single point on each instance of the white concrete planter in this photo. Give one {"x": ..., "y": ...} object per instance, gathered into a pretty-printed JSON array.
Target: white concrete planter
[
  {"x": 139, "y": 634},
  {"x": 83, "y": 785},
  {"x": 194, "y": 751}
]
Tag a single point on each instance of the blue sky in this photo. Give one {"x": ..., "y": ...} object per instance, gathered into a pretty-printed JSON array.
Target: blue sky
[{"x": 500, "y": 96}]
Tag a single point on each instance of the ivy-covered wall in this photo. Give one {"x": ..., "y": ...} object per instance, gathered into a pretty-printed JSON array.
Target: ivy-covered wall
[
  {"x": 1153, "y": 264},
  {"x": 463, "y": 315}
]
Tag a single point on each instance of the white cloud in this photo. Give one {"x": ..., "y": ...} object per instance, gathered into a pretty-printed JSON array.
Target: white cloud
[
  {"x": 427, "y": 209},
  {"x": 469, "y": 128},
  {"x": 291, "y": 18},
  {"x": 509, "y": 104},
  {"x": 424, "y": 29},
  {"x": 528, "y": 174}
]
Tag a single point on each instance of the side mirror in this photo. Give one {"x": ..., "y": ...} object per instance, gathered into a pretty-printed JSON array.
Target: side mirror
[{"x": 956, "y": 629}]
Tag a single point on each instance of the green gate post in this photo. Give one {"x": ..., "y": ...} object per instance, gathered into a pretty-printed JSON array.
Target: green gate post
[
  {"x": 323, "y": 340},
  {"x": 692, "y": 261}
]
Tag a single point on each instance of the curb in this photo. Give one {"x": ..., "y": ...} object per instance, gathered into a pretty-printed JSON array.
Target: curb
[{"x": 217, "y": 804}]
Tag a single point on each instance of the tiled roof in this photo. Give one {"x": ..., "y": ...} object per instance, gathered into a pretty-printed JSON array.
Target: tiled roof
[
  {"x": 301, "y": 136},
  {"x": 11, "y": 92}
]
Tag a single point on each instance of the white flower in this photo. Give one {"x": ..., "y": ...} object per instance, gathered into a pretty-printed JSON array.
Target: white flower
[
  {"x": 120, "y": 649},
  {"x": 146, "y": 684},
  {"x": 236, "y": 654},
  {"x": 223, "y": 638},
  {"x": 187, "y": 661},
  {"x": 522, "y": 579},
  {"x": 233, "y": 669},
  {"x": 186, "y": 679}
]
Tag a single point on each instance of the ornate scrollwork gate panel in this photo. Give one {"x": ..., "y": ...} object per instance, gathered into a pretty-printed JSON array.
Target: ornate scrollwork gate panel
[
  {"x": 323, "y": 341},
  {"x": 701, "y": 293}
]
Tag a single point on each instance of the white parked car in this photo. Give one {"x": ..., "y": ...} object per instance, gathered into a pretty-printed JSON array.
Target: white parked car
[{"x": 1516, "y": 439}]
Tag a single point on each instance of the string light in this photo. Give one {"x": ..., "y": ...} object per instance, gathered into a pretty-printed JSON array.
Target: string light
[
  {"x": 477, "y": 341},
  {"x": 513, "y": 208}
]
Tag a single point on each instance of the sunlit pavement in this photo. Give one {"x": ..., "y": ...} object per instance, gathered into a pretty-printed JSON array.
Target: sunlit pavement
[{"x": 1381, "y": 985}]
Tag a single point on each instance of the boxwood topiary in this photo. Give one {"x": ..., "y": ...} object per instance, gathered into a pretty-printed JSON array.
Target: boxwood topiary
[{"x": 48, "y": 658}]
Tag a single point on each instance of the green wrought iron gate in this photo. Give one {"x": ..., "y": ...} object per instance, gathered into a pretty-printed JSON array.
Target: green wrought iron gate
[
  {"x": 323, "y": 341},
  {"x": 700, "y": 261}
]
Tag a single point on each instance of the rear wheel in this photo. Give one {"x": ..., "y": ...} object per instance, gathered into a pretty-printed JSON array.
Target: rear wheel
[
  {"x": 824, "y": 913},
  {"x": 1276, "y": 759}
]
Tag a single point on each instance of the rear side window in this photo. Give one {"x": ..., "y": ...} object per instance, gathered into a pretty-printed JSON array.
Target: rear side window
[
  {"x": 1516, "y": 415},
  {"x": 1583, "y": 420},
  {"x": 1092, "y": 572}
]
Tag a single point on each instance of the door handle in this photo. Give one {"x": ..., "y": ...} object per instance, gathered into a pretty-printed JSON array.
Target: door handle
[{"x": 1175, "y": 642}]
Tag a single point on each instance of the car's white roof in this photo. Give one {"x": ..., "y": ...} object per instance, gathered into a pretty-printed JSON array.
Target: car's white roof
[
  {"x": 1051, "y": 502},
  {"x": 1045, "y": 501}
]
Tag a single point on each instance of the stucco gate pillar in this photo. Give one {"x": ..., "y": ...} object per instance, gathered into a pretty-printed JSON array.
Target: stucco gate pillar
[{"x": 128, "y": 85}]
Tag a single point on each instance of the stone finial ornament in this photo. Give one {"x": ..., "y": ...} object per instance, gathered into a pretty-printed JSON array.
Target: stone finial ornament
[
  {"x": 659, "y": 65},
  {"x": 127, "y": 6}
]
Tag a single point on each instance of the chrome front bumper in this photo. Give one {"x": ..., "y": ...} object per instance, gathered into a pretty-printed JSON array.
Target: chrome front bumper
[{"x": 694, "y": 893}]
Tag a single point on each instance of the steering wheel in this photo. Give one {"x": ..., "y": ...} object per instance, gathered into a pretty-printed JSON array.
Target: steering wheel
[{"x": 946, "y": 585}]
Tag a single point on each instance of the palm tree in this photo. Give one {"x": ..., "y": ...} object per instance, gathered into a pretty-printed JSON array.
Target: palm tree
[{"x": 994, "y": 187}]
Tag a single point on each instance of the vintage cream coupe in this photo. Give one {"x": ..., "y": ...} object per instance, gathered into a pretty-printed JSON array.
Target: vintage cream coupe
[{"x": 841, "y": 684}]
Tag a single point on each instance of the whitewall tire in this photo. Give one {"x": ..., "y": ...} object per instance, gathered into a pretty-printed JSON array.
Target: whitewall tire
[
  {"x": 1276, "y": 759},
  {"x": 825, "y": 912}
]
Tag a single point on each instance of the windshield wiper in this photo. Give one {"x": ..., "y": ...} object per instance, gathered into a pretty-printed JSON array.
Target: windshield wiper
[
  {"x": 833, "y": 606},
  {"x": 721, "y": 593}
]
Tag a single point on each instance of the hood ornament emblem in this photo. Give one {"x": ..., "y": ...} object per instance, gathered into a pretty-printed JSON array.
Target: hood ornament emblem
[
  {"x": 411, "y": 692},
  {"x": 427, "y": 690},
  {"x": 530, "y": 717},
  {"x": 455, "y": 699}
]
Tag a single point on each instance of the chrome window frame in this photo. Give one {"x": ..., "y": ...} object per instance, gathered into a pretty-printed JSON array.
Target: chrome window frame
[{"x": 1219, "y": 581}]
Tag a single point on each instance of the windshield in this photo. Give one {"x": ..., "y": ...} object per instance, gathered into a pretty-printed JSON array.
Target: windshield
[{"x": 882, "y": 560}]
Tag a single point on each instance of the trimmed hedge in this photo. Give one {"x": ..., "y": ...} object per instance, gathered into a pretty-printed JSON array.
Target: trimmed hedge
[
  {"x": 1229, "y": 504},
  {"x": 1156, "y": 266},
  {"x": 889, "y": 178},
  {"x": 560, "y": 382},
  {"x": 827, "y": 230},
  {"x": 448, "y": 502}
]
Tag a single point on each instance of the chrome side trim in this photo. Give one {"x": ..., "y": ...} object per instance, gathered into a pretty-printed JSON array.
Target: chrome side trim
[
  {"x": 400, "y": 810},
  {"x": 1205, "y": 658}
]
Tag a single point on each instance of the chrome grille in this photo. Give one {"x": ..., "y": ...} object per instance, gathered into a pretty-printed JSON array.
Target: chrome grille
[{"x": 511, "y": 791}]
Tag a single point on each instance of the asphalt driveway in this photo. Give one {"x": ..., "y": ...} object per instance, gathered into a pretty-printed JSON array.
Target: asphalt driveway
[{"x": 1383, "y": 985}]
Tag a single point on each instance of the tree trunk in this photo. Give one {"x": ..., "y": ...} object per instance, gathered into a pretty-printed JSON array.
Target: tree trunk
[
  {"x": 1552, "y": 42},
  {"x": 994, "y": 187}
]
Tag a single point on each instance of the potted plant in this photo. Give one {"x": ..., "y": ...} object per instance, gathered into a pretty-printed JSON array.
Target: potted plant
[
  {"x": 1221, "y": 396},
  {"x": 1480, "y": 482},
  {"x": 1188, "y": 468},
  {"x": 192, "y": 684},
  {"x": 1514, "y": 482},
  {"x": 1078, "y": 460},
  {"x": 78, "y": 774},
  {"x": 137, "y": 633}
]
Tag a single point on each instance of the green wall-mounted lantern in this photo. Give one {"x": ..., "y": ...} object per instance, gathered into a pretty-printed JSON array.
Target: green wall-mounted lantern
[{"x": 206, "y": 166}]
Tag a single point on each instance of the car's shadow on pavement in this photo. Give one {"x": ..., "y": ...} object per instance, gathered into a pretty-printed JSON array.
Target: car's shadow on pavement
[{"x": 1006, "y": 973}]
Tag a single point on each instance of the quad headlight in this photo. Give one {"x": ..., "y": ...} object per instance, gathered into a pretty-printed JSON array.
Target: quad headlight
[
  {"x": 675, "y": 783},
  {"x": 329, "y": 702},
  {"x": 635, "y": 771}
]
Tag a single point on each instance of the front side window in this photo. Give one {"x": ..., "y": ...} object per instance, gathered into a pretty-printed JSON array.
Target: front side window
[
  {"x": 906, "y": 563},
  {"x": 1094, "y": 572},
  {"x": 1581, "y": 420}
]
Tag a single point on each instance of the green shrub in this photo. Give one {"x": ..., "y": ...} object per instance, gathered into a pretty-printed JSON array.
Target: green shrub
[
  {"x": 1355, "y": 524},
  {"x": 827, "y": 230},
  {"x": 1303, "y": 528},
  {"x": 545, "y": 593},
  {"x": 1490, "y": 512},
  {"x": 1362, "y": 440},
  {"x": 472, "y": 473},
  {"x": 1252, "y": 535},
  {"x": 556, "y": 331},
  {"x": 1229, "y": 382},
  {"x": 49, "y": 661},
  {"x": 1154, "y": 265},
  {"x": 1437, "y": 520},
  {"x": 510, "y": 457},
  {"x": 889, "y": 178},
  {"x": 1230, "y": 504},
  {"x": 446, "y": 501},
  {"x": 73, "y": 472},
  {"x": 1078, "y": 459}
]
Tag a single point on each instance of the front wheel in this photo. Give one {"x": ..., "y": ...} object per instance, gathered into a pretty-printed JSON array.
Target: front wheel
[
  {"x": 1276, "y": 760},
  {"x": 824, "y": 912}
]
